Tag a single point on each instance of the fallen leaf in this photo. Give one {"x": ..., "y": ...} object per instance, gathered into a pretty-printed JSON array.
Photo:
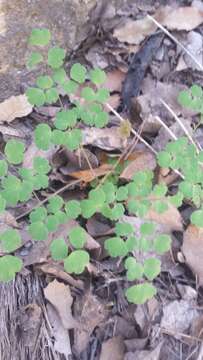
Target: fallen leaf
[
  {"x": 182, "y": 18},
  {"x": 192, "y": 249},
  {"x": 107, "y": 138},
  {"x": 91, "y": 174},
  {"x": 113, "y": 349},
  {"x": 33, "y": 152},
  {"x": 194, "y": 46},
  {"x": 143, "y": 161},
  {"x": 14, "y": 107},
  {"x": 60, "y": 297},
  {"x": 114, "y": 80},
  {"x": 145, "y": 355},
  {"x": 61, "y": 335},
  {"x": 177, "y": 317}
]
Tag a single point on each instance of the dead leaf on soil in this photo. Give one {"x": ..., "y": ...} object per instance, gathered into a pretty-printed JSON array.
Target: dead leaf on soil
[
  {"x": 114, "y": 80},
  {"x": 144, "y": 160},
  {"x": 14, "y": 107},
  {"x": 195, "y": 46},
  {"x": 182, "y": 18},
  {"x": 60, "y": 297},
  {"x": 106, "y": 139},
  {"x": 61, "y": 335},
  {"x": 90, "y": 312},
  {"x": 192, "y": 249},
  {"x": 32, "y": 152},
  {"x": 113, "y": 349},
  {"x": 145, "y": 355},
  {"x": 91, "y": 174}
]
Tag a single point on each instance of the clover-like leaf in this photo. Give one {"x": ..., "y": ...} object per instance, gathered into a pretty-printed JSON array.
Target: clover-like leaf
[
  {"x": 88, "y": 208},
  {"x": 197, "y": 218},
  {"x": 73, "y": 139},
  {"x": 38, "y": 231},
  {"x": 160, "y": 206},
  {"x": 38, "y": 214},
  {"x": 76, "y": 261},
  {"x": 51, "y": 95},
  {"x": 14, "y": 151},
  {"x": 9, "y": 266},
  {"x": 78, "y": 73},
  {"x": 34, "y": 59},
  {"x": 116, "y": 246},
  {"x": 55, "y": 204},
  {"x": 139, "y": 294},
  {"x": 134, "y": 269},
  {"x": 147, "y": 229},
  {"x": 10, "y": 240},
  {"x": 73, "y": 209},
  {"x": 59, "y": 249},
  {"x": 59, "y": 76},
  {"x": 40, "y": 37},
  {"x": 11, "y": 189},
  {"x": 162, "y": 243},
  {"x": 65, "y": 119},
  {"x": 35, "y": 96},
  {"x": 44, "y": 82},
  {"x": 123, "y": 229},
  {"x": 56, "y": 57},
  {"x": 41, "y": 165},
  {"x": 77, "y": 237},
  {"x": 52, "y": 223},
  {"x": 42, "y": 136},
  {"x": 152, "y": 268},
  {"x": 97, "y": 76}
]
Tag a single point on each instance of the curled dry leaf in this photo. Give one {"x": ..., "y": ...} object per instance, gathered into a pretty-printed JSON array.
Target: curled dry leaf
[
  {"x": 144, "y": 160},
  {"x": 192, "y": 249},
  {"x": 61, "y": 299},
  {"x": 183, "y": 18},
  {"x": 14, "y": 107},
  {"x": 106, "y": 139}
]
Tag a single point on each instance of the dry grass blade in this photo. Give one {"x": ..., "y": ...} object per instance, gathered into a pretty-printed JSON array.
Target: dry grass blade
[{"x": 176, "y": 41}]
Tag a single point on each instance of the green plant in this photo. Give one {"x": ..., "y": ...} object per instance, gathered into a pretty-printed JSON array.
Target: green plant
[{"x": 112, "y": 199}]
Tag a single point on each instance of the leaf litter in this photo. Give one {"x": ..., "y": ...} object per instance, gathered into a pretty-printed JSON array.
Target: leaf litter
[{"x": 92, "y": 306}]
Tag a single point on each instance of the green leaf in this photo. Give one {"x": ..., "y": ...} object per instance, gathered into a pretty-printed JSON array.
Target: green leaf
[
  {"x": 78, "y": 73},
  {"x": 164, "y": 159},
  {"x": 197, "y": 218},
  {"x": 97, "y": 76},
  {"x": 196, "y": 91},
  {"x": 145, "y": 244},
  {"x": 59, "y": 249},
  {"x": 132, "y": 243},
  {"x": 26, "y": 190},
  {"x": 122, "y": 193},
  {"x": 76, "y": 261},
  {"x": 14, "y": 151},
  {"x": 44, "y": 82},
  {"x": 116, "y": 246},
  {"x": 40, "y": 181},
  {"x": 51, "y": 96},
  {"x": 160, "y": 190},
  {"x": 35, "y": 96},
  {"x": 147, "y": 229},
  {"x": 40, "y": 37},
  {"x": 162, "y": 243},
  {"x": 109, "y": 190},
  {"x": 34, "y": 59},
  {"x": 9, "y": 266},
  {"x": 10, "y": 239},
  {"x": 26, "y": 174},
  {"x": 186, "y": 188},
  {"x": 139, "y": 294},
  {"x": 55, "y": 204},
  {"x": 88, "y": 94},
  {"x": 56, "y": 57},
  {"x": 73, "y": 209},
  {"x": 3, "y": 168},
  {"x": 41, "y": 165},
  {"x": 70, "y": 87},
  {"x": 176, "y": 199},
  {"x": 11, "y": 192},
  {"x": 102, "y": 95},
  {"x": 38, "y": 231},
  {"x": 2, "y": 204},
  {"x": 52, "y": 223},
  {"x": 123, "y": 229},
  {"x": 73, "y": 139},
  {"x": 88, "y": 208},
  {"x": 184, "y": 98},
  {"x": 38, "y": 214},
  {"x": 42, "y": 136},
  {"x": 61, "y": 216},
  {"x": 152, "y": 268},
  {"x": 117, "y": 211},
  {"x": 58, "y": 137},
  {"x": 59, "y": 76},
  {"x": 77, "y": 237},
  {"x": 160, "y": 207},
  {"x": 134, "y": 270},
  {"x": 101, "y": 119}
]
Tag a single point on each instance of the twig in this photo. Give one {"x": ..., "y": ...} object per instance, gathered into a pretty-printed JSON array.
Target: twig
[{"x": 176, "y": 41}]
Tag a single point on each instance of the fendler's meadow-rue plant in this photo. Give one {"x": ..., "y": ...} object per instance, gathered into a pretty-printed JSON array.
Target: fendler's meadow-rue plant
[{"x": 110, "y": 199}]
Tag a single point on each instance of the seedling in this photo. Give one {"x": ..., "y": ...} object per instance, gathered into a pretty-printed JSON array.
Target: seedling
[{"x": 139, "y": 250}]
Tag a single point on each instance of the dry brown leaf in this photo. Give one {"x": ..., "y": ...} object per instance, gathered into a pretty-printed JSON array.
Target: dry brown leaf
[
  {"x": 60, "y": 297},
  {"x": 14, "y": 107},
  {"x": 182, "y": 18},
  {"x": 107, "y": 139},
  {"x": 192, "y": 249},
  {"x": 89, "y": 175},
  {"x": 194, "y": 45},
  {"x": 114, "y": 80},
  {"x": 61, "y": 335},
  {"x": 145, "y": 354},
  {"x": 113, "y": 349},
  {"x": 144, "y": 160}
]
